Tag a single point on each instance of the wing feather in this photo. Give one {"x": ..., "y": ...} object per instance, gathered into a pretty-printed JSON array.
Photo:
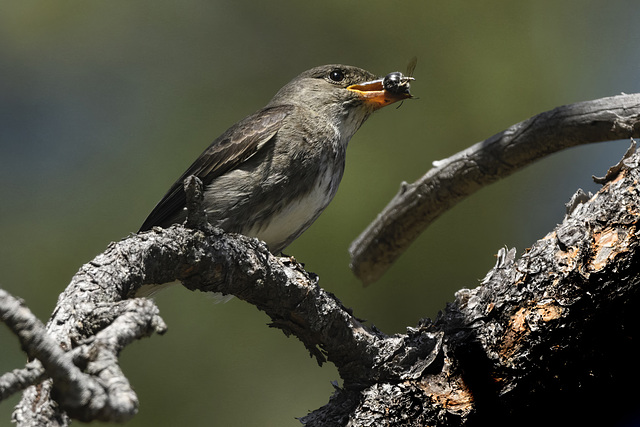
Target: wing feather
[{"x": 232, "y": 148}]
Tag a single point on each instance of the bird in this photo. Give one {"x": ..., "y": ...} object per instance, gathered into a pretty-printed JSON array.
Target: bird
[{"x": 271, "y": 174}]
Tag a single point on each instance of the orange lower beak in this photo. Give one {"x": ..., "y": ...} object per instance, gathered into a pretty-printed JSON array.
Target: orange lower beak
[{"x": 374, "y": 92}]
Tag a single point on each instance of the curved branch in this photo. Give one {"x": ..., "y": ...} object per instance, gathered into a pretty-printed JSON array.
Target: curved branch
[
  {"x": 86, "y": 381},
  {"x": 592, "y": 256},
  {"x": 94, "y": 319},
  {"x": 419, "y": 204},
  {"x": 38, "y": 345},
  {"x": 552, "y": 330}
]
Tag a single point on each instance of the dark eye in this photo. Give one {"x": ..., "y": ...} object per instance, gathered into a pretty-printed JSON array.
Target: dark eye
[{"x": 336, "y": 75}]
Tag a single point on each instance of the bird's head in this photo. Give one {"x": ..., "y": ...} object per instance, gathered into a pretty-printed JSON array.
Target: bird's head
[{"x": 344, "y": 94}]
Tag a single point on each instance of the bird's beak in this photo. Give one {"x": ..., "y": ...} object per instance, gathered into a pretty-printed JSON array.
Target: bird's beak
[{"x": 374, "y": 93}]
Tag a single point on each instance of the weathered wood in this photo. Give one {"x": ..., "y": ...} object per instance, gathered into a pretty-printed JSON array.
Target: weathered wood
[
  {"x": 451, "y": 180},
  {"x": 545, "y": 338},
  {"x": 542, "y": 339}
]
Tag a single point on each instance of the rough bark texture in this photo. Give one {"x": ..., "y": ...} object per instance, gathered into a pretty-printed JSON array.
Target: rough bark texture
[
  {"x": 418, "y": 204},
  {"x": 547, "y": 337}
]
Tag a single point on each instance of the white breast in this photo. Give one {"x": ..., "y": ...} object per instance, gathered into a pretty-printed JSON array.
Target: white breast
[{"x": 297, "y": 216}]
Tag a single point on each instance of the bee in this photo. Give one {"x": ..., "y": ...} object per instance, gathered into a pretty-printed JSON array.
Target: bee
[{"x": 397, "y": 82}]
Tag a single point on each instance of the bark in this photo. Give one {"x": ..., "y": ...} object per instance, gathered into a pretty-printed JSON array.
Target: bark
[
  {"x": 418, "y": 204},
  {"x": 546, "y": 337}
]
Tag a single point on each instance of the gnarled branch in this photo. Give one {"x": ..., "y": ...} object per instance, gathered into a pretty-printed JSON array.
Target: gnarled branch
[
  {"x": 418, "y": 204},
  {"x": 550, "y": 326}
]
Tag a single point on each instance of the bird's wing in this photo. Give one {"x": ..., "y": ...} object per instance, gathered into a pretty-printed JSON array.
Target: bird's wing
[{"x": 236, "y": 145}]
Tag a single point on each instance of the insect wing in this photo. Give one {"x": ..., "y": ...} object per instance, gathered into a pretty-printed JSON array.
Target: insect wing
[{"x": 411, "y": 66}]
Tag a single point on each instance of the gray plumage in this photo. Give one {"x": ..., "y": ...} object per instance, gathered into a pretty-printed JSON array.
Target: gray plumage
[{"x": 271, "y": 174}]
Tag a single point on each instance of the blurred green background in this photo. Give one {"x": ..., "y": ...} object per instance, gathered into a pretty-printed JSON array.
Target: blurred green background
[{"x": 104, "y": 104}]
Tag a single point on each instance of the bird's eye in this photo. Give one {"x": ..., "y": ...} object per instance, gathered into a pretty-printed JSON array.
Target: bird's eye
[{"x": 336, "y": 75}]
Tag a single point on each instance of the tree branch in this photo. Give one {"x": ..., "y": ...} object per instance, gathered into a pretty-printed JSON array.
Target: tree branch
[
  {"x": 451, "y": 180},
  {"x": 542, "y": 335},
  {"x": 98, "y": 391},
  {"x": 501, "y": 348}
]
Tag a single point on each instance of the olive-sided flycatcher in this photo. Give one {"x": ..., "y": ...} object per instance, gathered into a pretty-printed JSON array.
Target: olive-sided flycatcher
[{"x": 271, "y": 174}]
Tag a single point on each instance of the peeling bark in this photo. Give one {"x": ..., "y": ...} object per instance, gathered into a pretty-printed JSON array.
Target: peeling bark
[
  {"x": 451, "y": 180},
  {"x": 546, "y": 337}
]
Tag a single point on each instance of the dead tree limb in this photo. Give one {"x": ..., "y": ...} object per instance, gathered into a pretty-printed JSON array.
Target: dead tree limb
[
  {"x": 548, "y": 338},
  {"x": 555, "y": 325},
  {"x": 451, "y": 180}
]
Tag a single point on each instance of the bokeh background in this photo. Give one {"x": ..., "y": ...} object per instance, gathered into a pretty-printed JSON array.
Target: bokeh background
[{"x": 104, "y": 104}]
